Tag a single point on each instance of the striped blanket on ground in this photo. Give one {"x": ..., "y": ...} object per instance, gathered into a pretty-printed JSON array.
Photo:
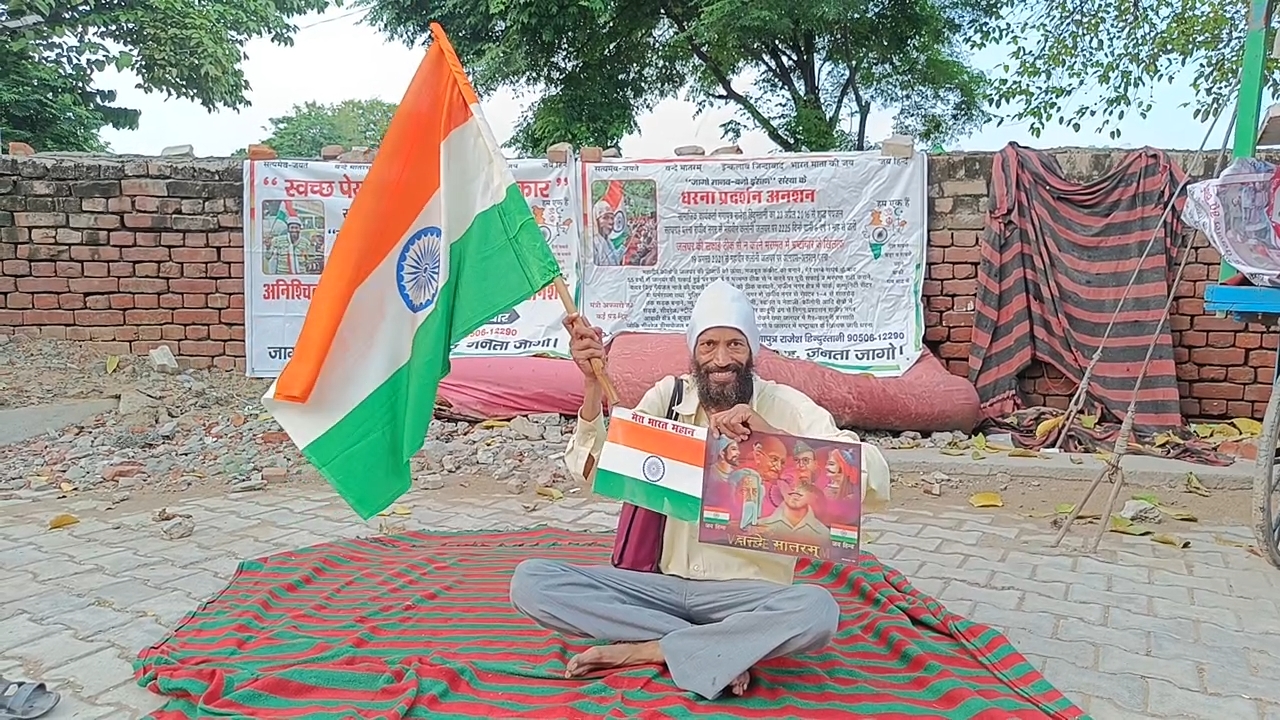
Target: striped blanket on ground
[
  {"x": 420, "y": 626},
  {"x": 1056, "y": 257}
]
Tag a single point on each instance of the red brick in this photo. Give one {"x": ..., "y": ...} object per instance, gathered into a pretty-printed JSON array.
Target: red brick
[
  {"x": 1217, "y": 391},
  {"x": 224, "y": 239},
  {"x": 169, "y": 270},
  {"x": 196, "y": 240},
  {"x": 69, "y": 269},
  {"x": 957, "y": 319},
  {"x": 194, "y": 300},
  {"x": 194, "y": 270},
  {"x": 237, "y": 270},
  {"x": 94, "y": 269},
  {"x": 143, "y": 186},
  {"x": 1261, "y": 358},
  {"x": 953, "y": 351},
  {"x": 197, "y": 332},
  {"x": 940, "y": 239},
  {"x": 98, "y": 253},
  {"x": 148, "y": 332},
  {"x": 17, "y": 301},
  {"x": 173, "y": 332},
  {"x": 171, "y": 301},
  {"x": 148, "y": 317},
  {"x": 1243, "y": 409},
  {"x": 1213, "y": 408},
  {"x": 939, "y": 270},
  {"x": 1258, "y": 392},
  {"x": 1218, "y": 356},
  {"x": 147, "y": 239},
  {"x": 172, "y": 239},
  {"x": 191, "y": 285},
  {"x": 77, "y": 333},
  {"x": 42, "y": 285},
  {"x": 142, "y": 347},
  {"x": 235, "y": 349},
  {"x": 121, "y": 301},
  {"x": 94, "y": 285},
  {"x": 120, "y": 269},
  {"x": 71, "y": 301},
  {"x": 194, "y": 254},
  {"x": 53, "y": 332},
  {"x": 231, "y": 254},
  {"x": 15, "y": 268},
  {"x": 143, "y": 285},
  {"x": 219, "y": 332},
  {"x": 960, "y": 287},
  {"x": 1213, "y": 374},
  {"x": 44, "y": 301},
  {"x": 1209, "y": 322},
  {"x": 195, "y": 317},
  {"x": 233, "y": 316},
  {"x": 218, "y": 270},
  {"x": 218, "y": 301},
  {"x": 119, "y": 204},
  {"x": 205, "y": 348},
  {"x": 200, "y": 363},
  {"x": 145, "y": 254},
  {"x": 965, "y": 238},
  {"x": 1241, "y": 374},
  {"x": 146, "y": 302},
  {"x": 97, "y": 302},
  {"x": 224, "y": 363},
  {"x": 99, "y": 317},
  {"x": 121, "y": 238},
  {"x": 963, "y": 255},
  {"x": 237, "y": 332},
  {"x": 146, "y": 269},
  {"x": 48, "y": 317},
  {"x": 44, "y": 269},
  {"x": 237, "y": 301}
]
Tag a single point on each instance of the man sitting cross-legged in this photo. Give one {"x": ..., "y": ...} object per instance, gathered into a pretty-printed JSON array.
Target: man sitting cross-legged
[{"x": 712, "y": 612}]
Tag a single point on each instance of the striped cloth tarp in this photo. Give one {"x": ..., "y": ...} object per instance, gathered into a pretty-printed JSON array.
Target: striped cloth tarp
[{"x": 1056, "y": 257}]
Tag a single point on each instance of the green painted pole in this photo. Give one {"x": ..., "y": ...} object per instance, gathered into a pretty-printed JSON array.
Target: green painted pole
[{"x": 1253, "y": 79}]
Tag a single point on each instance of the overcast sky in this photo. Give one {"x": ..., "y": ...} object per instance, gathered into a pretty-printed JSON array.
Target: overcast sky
[{"x": 335, "y": 58}]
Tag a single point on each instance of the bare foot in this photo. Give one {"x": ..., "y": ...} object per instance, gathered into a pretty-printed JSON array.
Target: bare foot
[
  {"x": 606, "y": 657},
  {"x": 740, "y": 683}
]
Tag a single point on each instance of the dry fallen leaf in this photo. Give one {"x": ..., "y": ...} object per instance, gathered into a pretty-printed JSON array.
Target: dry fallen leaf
[
  {"x": 1048, "y": 426},
  {"x": 1148, "y": 498},
  {"x": 113, "y": 362},
  {"x": 1088, "y": 422},
  {"x": 1182, "y": 515},
  {"x": 977, "y": 455},
  {"x": 1195, "y": 487},
  {"x": 1248, "y": 426},
  {"x": 1075, "y": 459},
  {"x": 396, "y": 509},
  {"x": 550, "y": 492},
  {"x": 1064, "y": 508},
  {"x": 67, "y": 487},
  {"x": 1125, "y": 527},
  {"x": 980, "y": 441},
  {"x": 489, "y": 424},
  {"x": 1220, "y": 540},
  {"x": 986, "y": 500},
  {"x": 954, "y": 452},
  {"x": 1023, "y": 453},
  {"x": 1174, "y": 540},
  {"x": 62, "y": 520}
]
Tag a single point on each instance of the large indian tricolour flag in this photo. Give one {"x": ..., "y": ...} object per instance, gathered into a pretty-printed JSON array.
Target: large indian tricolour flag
[
  {"x": 438, "y": 241},
  {"x": 653, "y": 463}
]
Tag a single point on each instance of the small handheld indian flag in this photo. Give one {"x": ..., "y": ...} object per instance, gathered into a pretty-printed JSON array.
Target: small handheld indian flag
[
  {"x": 438, "y": 241},
  {"x": 653, "y": 463},
  {"x": 715, "y": 516},
  {"x": 845, "y": 534}
]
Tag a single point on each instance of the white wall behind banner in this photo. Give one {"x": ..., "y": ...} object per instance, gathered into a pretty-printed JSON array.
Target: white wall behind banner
[
  {"x": 830, "y": 248},
  {"x": 292, "y": 213}
]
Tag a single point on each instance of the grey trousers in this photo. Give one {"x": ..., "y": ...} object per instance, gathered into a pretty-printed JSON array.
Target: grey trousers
[{"x": 710, "y": 631}]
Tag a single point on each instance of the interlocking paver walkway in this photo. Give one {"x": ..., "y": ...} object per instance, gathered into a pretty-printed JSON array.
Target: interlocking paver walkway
[{"x": 1139, "y": 631}]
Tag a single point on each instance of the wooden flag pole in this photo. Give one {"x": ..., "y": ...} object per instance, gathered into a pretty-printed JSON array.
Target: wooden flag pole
[{"x": 571, "y": 308}]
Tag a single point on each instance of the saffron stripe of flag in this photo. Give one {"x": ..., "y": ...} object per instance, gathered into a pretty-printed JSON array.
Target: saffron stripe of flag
[
  {"x": 438, "y": 241},
  {"x": 651, "y": 467}
]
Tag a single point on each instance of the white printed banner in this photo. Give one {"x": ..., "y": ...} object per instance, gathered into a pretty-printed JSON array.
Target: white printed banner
[
  {"x": 293, "y": 211},
  {"x": 830, "y": 249}
]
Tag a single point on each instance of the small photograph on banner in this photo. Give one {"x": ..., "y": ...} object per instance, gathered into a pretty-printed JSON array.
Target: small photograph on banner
[
  {"x": 784, "y": 495},
  {"x": 624, "y": 228},
  {"x": 653, "y": 463},
  {"x": 293, "y": 237}
]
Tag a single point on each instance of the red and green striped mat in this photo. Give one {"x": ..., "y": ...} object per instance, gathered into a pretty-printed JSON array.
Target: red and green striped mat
[{"x": 420, "y": 626}]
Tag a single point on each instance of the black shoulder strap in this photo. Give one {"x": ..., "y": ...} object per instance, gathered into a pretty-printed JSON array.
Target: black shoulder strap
[{"x": 677, "y": 394}]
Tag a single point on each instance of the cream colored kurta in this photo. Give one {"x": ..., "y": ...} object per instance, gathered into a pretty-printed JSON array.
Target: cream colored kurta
[{"x": 783, "y": 407}]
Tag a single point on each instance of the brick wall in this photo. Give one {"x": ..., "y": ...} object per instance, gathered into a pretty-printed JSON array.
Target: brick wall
[
  {"x": 134, "y": 252},
  {"x": 128, "y": 252}
]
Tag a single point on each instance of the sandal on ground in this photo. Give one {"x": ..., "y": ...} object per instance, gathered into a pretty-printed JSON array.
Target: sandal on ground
[{"x": 25, "y": 700}]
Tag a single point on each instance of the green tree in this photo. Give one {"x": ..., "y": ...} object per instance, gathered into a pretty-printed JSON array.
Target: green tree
[
  {"x": 806, "y": 72},
  {"x": 1089, "y": 63},
  {"x": 311, "y": 126},
  {"x": 188, "y": 49}
]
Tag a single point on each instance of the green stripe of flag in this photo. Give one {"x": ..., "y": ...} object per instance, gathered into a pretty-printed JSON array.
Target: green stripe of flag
[{"x": 647, "y": 495}]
